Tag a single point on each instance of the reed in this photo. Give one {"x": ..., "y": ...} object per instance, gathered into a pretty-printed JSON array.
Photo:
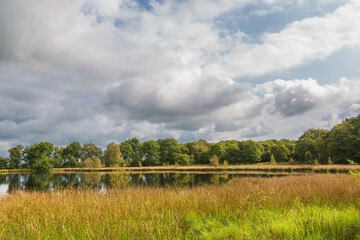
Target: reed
[
  {"x": 204, "y": 168},
  {"x": 315, "y": 206}
]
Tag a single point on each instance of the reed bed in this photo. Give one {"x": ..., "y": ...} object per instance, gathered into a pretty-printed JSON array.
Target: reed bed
[
  {"x": 312, "y": 206},
  {"x": 252, "y": 167}
]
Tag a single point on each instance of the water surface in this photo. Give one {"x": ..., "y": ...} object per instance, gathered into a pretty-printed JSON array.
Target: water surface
[{"x": 103, "y": 180}]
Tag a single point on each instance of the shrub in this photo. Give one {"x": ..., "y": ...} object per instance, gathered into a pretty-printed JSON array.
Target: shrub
[{"x": 214, "y": 160}]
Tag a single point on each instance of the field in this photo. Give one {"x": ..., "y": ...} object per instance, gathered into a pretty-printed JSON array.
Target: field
[
  {"x": 311, "y": 206},
  {"x": 250, "y": 167}
]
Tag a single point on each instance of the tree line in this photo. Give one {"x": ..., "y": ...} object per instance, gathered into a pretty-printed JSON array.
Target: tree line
[{"x": 337, "y": 146}]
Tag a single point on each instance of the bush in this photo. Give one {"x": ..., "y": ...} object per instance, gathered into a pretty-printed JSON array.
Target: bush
[
  {"x": 272, "y": 159},
  {"x": 214, "y": 161},
  {"x": 92, "y": 163},
  {"x": 183, "y": 159}
]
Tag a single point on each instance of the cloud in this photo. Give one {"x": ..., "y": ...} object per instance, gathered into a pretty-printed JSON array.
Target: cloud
[
  {"x": 105, "y": 71},
  {"x": 300, "y": 42}
]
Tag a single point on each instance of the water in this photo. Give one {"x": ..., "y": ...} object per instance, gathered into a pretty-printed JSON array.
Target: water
[{"x": 99, "y": 180}]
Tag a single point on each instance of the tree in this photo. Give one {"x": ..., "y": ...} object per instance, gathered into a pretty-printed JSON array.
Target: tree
[
  {"x": 38, "y": 156},
  {"x": 130, "y": 151},
  {"x": 91, "y": 151},
  {"x": 232, "y": 153},
  {"x": 344, "y": 141},
  {"x": 280, "y": 152},
  {"x": 250, "y": 152},
  {"x": 214, "y": 160},
  {"x": 272, "y": 159},
  {"x": 217, "y": 149},
  {"x": 74, "y": 149},
  {"x": 308, "y": 157},
  {"x": 4, "y": 163},
  {"x": 169, "y": 150},
  {"x": 16, "y": 156},
  {"x": 94, "y": 162},
  {"x": 112, "y": 155},
  {"x": 321, "y": 149},
  {"x": 199, "y": 151},
  {"x": 183, "y": 159},
  {"x": 150, "y": 153},
  {"x": 307, "y": 141}
]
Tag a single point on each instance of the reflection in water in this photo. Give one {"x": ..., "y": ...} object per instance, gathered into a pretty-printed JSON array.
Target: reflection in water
[{"x": 50, "y": 181}]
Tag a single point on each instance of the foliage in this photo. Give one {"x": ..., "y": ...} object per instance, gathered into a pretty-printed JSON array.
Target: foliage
[
  {"x": 94, "y": 162},
  {"x": 307, "y": 140},
  {"x": 308, "y": 157},
  {"x": 91, "y": 151},
  {"x": 16, "y": 156},
  {"x": 214, "y": 160},
  {"x": 183, "y": 159},
  {"x": 334, "y": 146},
  {"x": 112, "y": 155},
  {"x": 354, "y": 173},
  {"x": 4, "y": 163},
  {"x": 272, "y": 159},
  {"x": 169, "y": 150},
  {"x": 130, "y": 151},
  {"x": 150, "y": 152},
  {"x": 120, "y": 178},
  {"x": 75, "y": 150},
  {"x": 38, "y": 156}
]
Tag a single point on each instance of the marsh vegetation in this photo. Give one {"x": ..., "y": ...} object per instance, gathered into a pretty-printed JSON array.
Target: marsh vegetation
[{"x": 315, "y": 206}]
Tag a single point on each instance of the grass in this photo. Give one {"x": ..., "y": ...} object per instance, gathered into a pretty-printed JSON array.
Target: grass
[
  {"x": 315, "y": 206},
  {"x": 252, "y": 167}
]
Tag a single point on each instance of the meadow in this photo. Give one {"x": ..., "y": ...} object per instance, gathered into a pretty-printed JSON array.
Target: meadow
[{"x": 310, "y": 206}]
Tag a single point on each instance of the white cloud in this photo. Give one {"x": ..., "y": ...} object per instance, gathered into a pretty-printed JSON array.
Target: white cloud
[
  {"x": 69, "y": 72},
  {"x": 299, "y": 42}
]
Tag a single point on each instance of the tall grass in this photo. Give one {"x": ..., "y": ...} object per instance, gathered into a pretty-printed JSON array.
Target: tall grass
[
  {"x": 252, "y": 167},
  {"x": 293, "y": 207}
]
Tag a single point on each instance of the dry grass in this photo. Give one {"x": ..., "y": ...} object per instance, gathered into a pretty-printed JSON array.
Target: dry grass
[
  {"x": 167, "y": 213},
  {"x": 253, "y": 167}
]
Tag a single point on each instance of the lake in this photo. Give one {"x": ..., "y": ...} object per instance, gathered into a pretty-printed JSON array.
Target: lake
[{"x": 103, "y": 180}]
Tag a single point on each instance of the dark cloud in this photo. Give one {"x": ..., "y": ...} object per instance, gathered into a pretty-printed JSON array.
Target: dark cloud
[
  {"x": 170, "y": 101},
  {"x": 294, "y": 101}
]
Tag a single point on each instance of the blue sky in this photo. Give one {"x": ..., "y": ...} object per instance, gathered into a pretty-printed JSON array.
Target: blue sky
[{"x": 101, "y": 71}]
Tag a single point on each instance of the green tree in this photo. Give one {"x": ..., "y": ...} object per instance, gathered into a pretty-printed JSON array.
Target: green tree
[
  {"x": 344, "y": 141},
  {"x": 16, "y": 156},
  {"x": 91, "y": 151},
  {"x": 280, "y": 152},
  {"x": 38, "y": 156},
  {"x": 169, "y": 150},
  {"x": 214, "y": 160},
  {"x": 74, "y": 149},
  {"x": 307, "y": 141},
  {"x": 150, "y": 153},
  {"x": 232, "y": 153},
  {"x": 308, "y": 157},
  {"x": 94, "y": 162},
  {"x": 321, "y": 149},
  {"x": 4, "y": 163},
  {"x": 112, "y": 155},
  {"x": 250, "y": 152},
  {"x": 218, "y": 150},
  {"x": 131, "y": 151},
  {"x": 198, "y": 151},
  {"x": 183, "y": 159},
  {"x": 272, "y": 159}
]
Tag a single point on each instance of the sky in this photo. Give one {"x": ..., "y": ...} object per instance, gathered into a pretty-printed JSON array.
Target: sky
[{"x": 109, "y": 70}]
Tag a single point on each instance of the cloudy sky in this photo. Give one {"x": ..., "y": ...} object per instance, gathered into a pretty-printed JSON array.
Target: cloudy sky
[{"x": 108, "y": 70}]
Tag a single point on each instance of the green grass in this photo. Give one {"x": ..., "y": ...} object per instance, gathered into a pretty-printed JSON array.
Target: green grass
[{"x": 295, "y": 207}]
